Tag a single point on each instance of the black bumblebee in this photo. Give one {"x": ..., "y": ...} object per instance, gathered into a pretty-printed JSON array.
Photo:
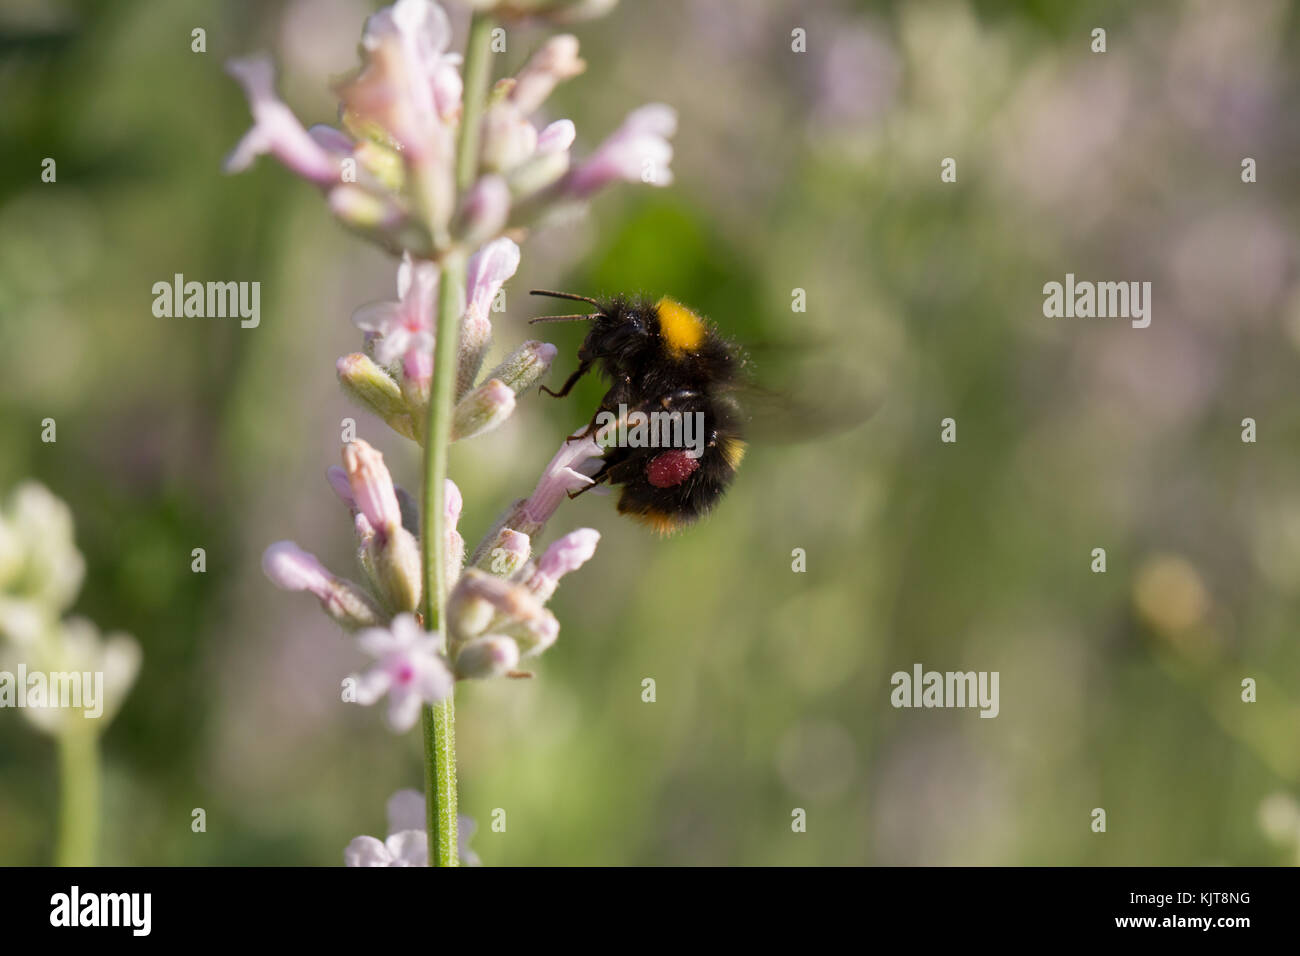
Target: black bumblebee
[{"x": 669, "y": 365}]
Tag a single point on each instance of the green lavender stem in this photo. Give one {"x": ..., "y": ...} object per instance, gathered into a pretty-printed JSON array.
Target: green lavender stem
[
  {"x": 439, "y": 720},
  {"x": 78, "y": 796}
]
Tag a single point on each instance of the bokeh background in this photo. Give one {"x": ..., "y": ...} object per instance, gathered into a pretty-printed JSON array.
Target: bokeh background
[{"x": 818, "y": 171}]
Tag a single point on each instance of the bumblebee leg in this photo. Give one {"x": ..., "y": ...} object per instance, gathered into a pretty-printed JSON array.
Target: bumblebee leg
[
  {"x": 598, "y": 478},
  {"x": 569, "y": 382}
]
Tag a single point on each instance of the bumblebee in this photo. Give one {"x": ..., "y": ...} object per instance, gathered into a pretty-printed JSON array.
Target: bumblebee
[{"x": 667, "y": 364}]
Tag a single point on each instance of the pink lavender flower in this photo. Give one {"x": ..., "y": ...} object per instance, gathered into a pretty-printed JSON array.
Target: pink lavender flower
[
  {"x": 557, "y": 137},
  {"x": 338, "y": 479},
  {"x": 410, "y": 669},
  {"x": 391, "y": 555},
  {"x": 565, "y": 555},
  {"x": 555, "y": 61},
  {"x": 410, "y": 84},
  {"x": 454, "y": 545},
  {"x": 487, "y": 271},
  {"x": 561, "y": 476},
  {"x": 484, "y": 210},
  {"x": 638, "y": 151},
  {"x": 291, "y": 568},
  {"x": 276, "y": 131},
  {"x": 398, "y": 329},
  {"x": 372, "y": 486}
]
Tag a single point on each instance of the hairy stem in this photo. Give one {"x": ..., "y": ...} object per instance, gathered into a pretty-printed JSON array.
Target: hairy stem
[
  {"x": 439, "y": 720},
  {"x": 478, "y": 52}
]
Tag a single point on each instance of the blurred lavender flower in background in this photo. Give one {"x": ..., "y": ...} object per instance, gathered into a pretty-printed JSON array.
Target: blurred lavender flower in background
[{"x": 407, "y": 843}]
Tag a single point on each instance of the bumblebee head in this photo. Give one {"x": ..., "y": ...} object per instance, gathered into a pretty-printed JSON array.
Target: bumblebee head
[
  {"x": 622, "y": 326},
  {"x": 618, "y": 327}
]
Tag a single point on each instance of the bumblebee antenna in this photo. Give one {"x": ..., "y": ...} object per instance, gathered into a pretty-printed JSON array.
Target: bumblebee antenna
[
  {"x": 564, "y": 295},
  {"x": 562, "y": 318}
]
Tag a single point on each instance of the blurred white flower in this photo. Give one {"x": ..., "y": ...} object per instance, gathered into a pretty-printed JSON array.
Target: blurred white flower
[
  {"x": 78, "y": 650},
  {"x": 41, "y": 569}
]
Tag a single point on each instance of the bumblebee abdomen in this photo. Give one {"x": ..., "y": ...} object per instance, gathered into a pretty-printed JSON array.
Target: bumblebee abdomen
[{"x": 648, "y": 497}]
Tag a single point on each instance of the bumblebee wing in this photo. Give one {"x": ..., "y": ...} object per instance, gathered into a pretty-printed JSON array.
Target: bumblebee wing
[{"x": 787, "y": 402}]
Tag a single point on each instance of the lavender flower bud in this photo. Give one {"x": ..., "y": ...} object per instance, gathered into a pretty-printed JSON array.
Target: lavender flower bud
[
  {"x": 372, "y": 487},
  {"x": 487, "y": 271},
  {"x": 398, "y": 569},
  {"x": 508, "y": 138},
  {"x": 523, "y": 367},
  {"x": 364, "y": 210},
  {"x": 454, "y": 553},
  {"x": 411, "y": 509},
  {"x": 506, "y": 554},
  {"x": 292, "y": 569},
  {"x": 382, "y": 163},
  {"x": 485, "y": 657},
  {"x": 482, "y": 410},
  {"x": 556, "y": 61},
  {"x": 543, "y": 169},
  {"x": 367, "y": 384},
  {"x": 338, "y": 479},
  {"x": 483, "y": 211},
  {"x": 479, "y": 598},
  {"x": 534, "y": 635},
  {"x": 475, "y": 338},
  {"x": 565, "y": 555}
]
